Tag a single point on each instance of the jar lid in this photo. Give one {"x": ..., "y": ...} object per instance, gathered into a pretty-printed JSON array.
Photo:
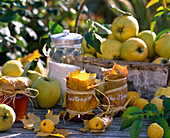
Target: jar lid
[{"x": 66, "y": 38}]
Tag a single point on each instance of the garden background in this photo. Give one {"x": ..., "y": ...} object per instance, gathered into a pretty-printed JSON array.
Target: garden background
[{"x": 23, "y": 23}]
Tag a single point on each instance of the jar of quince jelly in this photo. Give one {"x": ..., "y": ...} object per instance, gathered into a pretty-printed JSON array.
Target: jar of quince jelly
[
  {"x": 64, "y": 47},
  {"x": 19, "y": 105}
]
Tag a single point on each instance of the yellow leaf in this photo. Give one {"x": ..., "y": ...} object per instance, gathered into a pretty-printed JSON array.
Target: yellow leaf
[
  {"x": 54, "y": 118},
  {"x": 42, "y": 134},
  {"x": 160, "y": 8},
  {"x": 62, "y": 132},
  {"x": 152, "y": 2},
  {"x": 164, "y": 3},
  {"x": 116, "y": 72},
  {"x": 80, "y": 80},
  {"x": 58, "y": 135},
  {"x": 30, "y": 57}
]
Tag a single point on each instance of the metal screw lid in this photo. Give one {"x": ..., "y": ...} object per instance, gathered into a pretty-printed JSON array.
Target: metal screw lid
[{"x": 66, "y": 38}]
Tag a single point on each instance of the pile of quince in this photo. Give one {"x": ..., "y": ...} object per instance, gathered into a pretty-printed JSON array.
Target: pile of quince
[
  {"x": 160, "y": 94},
  {"x": 127, "y": 43}
]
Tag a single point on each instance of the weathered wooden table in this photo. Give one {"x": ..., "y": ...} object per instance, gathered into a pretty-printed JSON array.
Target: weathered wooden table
[{"x": 18, "y": 131}]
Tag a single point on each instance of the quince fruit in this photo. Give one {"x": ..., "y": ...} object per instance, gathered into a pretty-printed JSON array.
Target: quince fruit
[
  {"x": 163, "y": 91},
  {"x": 155, "y": 131},
  {"x": 161, "y": 60},
  {"x": 7, "y": 117},
  {"x": 87, "y": 49},
  {"x": 162, "y": 46},
  {"x": 88, "y": 55},
  {"x": 33, "y": 75},
  {"x": 96, "y": 123},
  {"x": 111, "y": 36},
  {"x": 49, "y": 92},
  {"x": 47, "y": 126},
  {"x": 13, "y": 68},
  {"x": 148, "y": 37},
  {"x": 124, "y": 27},
  {"x": 133, "y": 95},
  {"x": 140, "y": 103},
  {"x": 110, "y": 49},
  {"x": 134, "y": 49},
  {"x": 158, "y": 101}
]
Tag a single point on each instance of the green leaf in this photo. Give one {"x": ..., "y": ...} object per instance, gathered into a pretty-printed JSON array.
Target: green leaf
[
  {"x": 131, "y": 110},
  {"x": 128, "y": 122},
  {"x": 55, "y": 28},
  {"x": 166, "y": 103},
  {"x": 92, "y": 40},
  {"x": 148, "y": 114},
  {"x": 8, "y": 16},
  {"x": 161, "y": 8},
  {"x": 136, "y": 128},
  {"x": 102, "y": 29},
  {"x": 156, "y": 17},
  {"x": 150, "y": 107},
  {"x": 152, "y": 2},
  {"x": 159, "y": 34},
  {"x": 48, "y": 41},
  {"x": 30, "y": 66},
  {"x": 118, "y": 11},
  {"x": 164, "y": 124}
]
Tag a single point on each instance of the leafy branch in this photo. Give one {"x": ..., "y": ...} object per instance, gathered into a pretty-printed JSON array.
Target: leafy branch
[
  {"x": 164, "y": 8},
  {"x": 132, "y": 117}
]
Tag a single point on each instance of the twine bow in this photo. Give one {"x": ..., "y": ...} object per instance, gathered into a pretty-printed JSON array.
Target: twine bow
[{"x": 12, "y": 94}]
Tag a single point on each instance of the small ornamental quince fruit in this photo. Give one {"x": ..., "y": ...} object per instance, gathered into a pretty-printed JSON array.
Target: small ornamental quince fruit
[
  {"x": 161, "y": 60},
  {"x": 158, "y": 101},
  {"x": 163, "y": 91},
  {"x": 96, "y": 123},
  {"x": 140, "y": 103},
  {"x": 47, "y": 126},
  {"x": 133, "y": 95},
  {"x": 155, "y": 131}
]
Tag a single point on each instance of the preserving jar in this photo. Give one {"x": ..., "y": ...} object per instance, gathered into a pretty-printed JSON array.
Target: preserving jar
[{"x": 64, "y": 46}]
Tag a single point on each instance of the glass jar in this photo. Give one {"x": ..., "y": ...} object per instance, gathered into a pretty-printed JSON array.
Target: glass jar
[{"x": 64, "y": 46}]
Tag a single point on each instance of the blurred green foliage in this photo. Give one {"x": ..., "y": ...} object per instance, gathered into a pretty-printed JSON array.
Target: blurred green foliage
[{"x": 23, "y": 23}]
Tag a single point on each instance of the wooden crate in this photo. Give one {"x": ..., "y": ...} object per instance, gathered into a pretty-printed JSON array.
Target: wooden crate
[{"x": 145, "y": 78}]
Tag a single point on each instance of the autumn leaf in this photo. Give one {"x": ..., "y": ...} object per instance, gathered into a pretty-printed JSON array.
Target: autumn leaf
[
  {"x": 108, "y": 121},
  {"x": 33, "y": 122},
  {"x": 151, "y": 2},
  {"x": 80, "y": 80},
  {"x": 54, "y": 118},
  {"x": 42, "y": 134},
  {"x": 62, "y": 132},
  {"x": 86, "y": 127},
  {"x": 30, "y": 57},
  {"x": 116, "y": 72}
]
